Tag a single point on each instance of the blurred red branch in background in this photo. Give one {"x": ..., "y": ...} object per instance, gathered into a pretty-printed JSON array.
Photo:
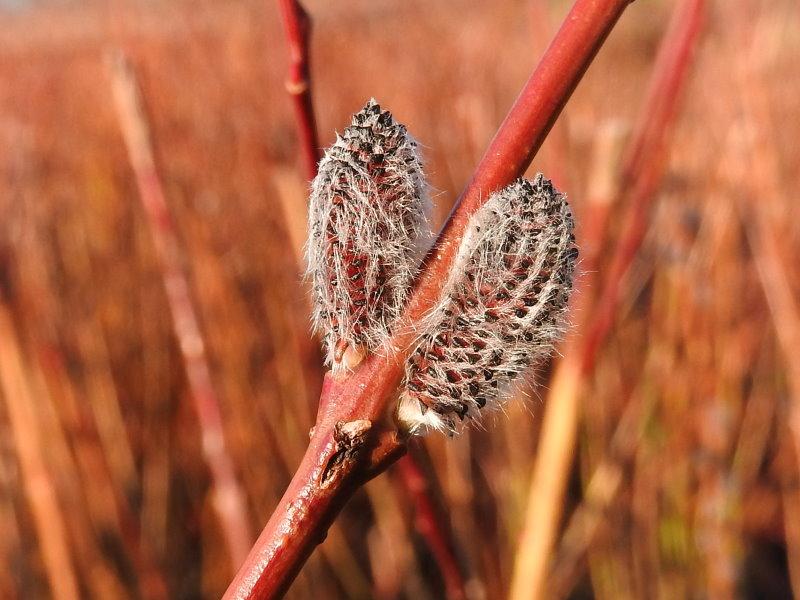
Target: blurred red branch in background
[
  {"x": 430, "y": 522},
  {"x": 40, "y": 490},
  {"x": 228, "y": 498},
  {"x": 352, "y": 440},
  {"x": 641, "y": 171},
  {"x": 297, "y": 26}
]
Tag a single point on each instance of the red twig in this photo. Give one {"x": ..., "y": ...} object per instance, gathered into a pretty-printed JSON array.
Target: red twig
[
  {"x": 353, "y": 440},
  {"x": 430, "y": 523},
  {"x": 297, "y": 26},
  {"x": 228, "y": 497}
]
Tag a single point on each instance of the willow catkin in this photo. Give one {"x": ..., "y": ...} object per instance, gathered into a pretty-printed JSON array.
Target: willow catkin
[
  {"x": 366, "y": 215},
  {"x": 501, "y": 311}
]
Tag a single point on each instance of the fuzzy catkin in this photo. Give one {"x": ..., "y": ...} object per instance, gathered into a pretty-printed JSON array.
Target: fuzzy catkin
[
  {"x": 366, "y": 214},
  {"x": 501, "y": 311}
]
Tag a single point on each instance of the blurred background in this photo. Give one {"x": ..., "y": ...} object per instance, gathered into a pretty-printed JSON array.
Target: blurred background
[{"x": 136, "y": 335}]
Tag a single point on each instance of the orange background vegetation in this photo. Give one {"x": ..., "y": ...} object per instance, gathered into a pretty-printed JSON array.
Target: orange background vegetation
[{"x": 95, "y": 422}]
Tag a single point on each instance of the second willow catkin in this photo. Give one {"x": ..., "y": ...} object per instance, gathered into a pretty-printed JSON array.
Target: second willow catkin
[
  {"x": 366, "y": 215},
  {"x": 501, "y": 311}
]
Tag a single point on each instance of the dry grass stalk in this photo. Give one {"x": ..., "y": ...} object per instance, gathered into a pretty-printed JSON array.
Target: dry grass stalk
[
  {"x": 39, "y": 488},
  {"x": 761, "y": 209},
  {"x": 228, "y": 498}
]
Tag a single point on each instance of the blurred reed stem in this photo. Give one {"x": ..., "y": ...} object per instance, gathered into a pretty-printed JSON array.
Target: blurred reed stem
[
  {"x": 228, "y": 498},
  {"x": 40, "y": 489},
  {"x": 762, "y": 205}
]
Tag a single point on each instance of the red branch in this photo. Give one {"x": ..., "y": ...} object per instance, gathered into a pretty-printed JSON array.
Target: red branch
[
  {"x": 297, "y": 26},
  {"x": 354, "y": 439},
  {"x": 643, "y": 164}
]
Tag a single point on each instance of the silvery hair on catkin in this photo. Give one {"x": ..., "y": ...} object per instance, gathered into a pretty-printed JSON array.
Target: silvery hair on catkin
[
  {"x": 501, "y": 310},
  {"x": 366, "y": 217}
]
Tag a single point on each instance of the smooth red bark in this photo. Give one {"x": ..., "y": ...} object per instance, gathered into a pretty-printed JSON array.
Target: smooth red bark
[{"x": 297, "y": 26}]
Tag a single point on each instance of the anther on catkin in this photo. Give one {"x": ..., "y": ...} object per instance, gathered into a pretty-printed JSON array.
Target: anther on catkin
[
  {"x": 366, "y": 213},
  {"x": 501, "y": 311}
]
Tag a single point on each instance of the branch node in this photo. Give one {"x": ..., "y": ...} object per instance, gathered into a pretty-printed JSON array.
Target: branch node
[
  {"x": 350, "y": 438},
  {"x": 297, "y": 88}
]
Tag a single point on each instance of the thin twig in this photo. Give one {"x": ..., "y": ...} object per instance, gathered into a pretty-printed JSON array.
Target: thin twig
[
  {"x": 352, "y": 440},
  {"x": 437, "y": 535},
  {"x": 559, "y": 426},
  {"x": 228, "y": 498},
  {"x": 431, "y": 523},
  {"x": 679, "y": 44},
  {"x": 297, "y": 26}
]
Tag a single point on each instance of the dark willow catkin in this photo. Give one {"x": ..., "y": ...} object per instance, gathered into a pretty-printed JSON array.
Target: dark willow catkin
[
  {"x": 501, "y": 311},
  {"x": 366, "y": 214},
  {"x": 502, "y": 305}
]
